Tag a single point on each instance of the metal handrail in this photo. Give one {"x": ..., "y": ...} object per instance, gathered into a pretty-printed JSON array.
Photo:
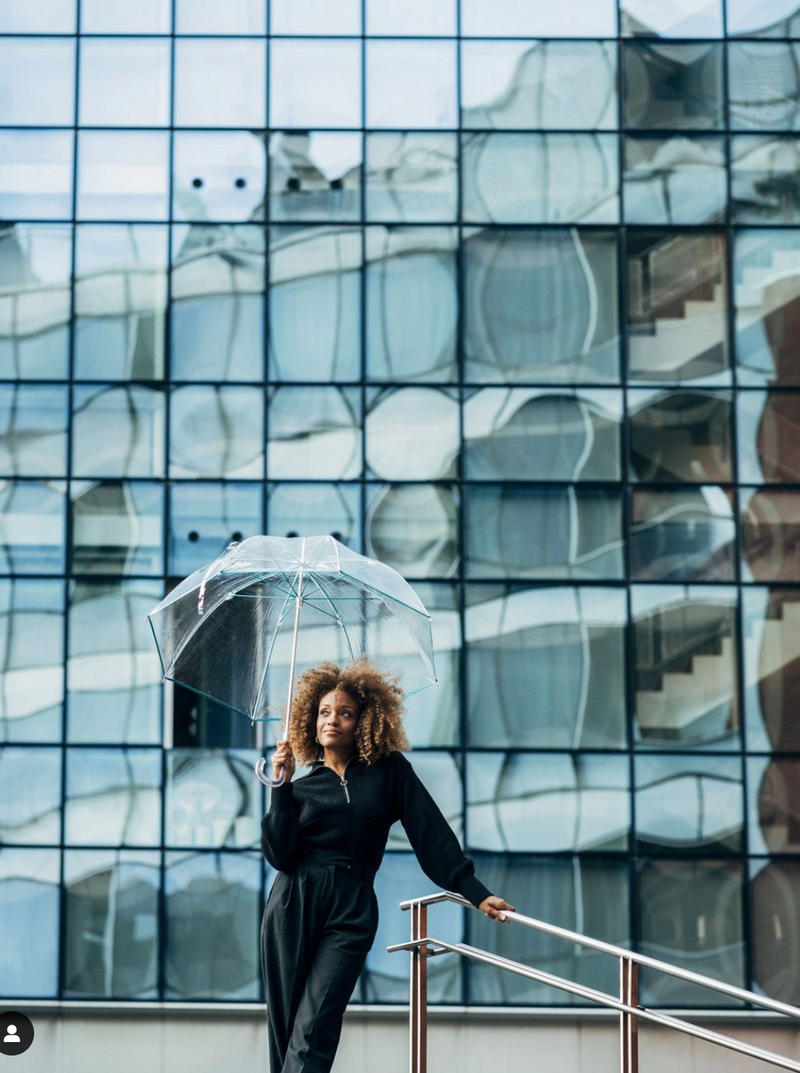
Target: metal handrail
[{"x": 422, "y": 946}]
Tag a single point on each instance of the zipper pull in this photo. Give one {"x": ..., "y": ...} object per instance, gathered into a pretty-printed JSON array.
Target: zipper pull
[{"x": 343, "y": 781}]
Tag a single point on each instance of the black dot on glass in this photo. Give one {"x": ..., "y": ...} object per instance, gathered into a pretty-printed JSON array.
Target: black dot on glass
[
  {"x": 337, "y": 184},
  {"x": 237, "y": 536},
  {"x": 336, "y": 535},
  {"x": 240, "y": 184},
  {"x": 293, "y": 184},
  {"x": 197, "y": 183},
  {"x": 292, "y": 533},
  {"x": 194, "y": 536}
]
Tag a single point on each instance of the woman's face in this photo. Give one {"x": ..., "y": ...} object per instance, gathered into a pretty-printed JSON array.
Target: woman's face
[{"x": 337, "y": 719}]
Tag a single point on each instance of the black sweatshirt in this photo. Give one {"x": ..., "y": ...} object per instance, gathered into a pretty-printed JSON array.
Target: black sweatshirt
[{"x": 318, "y": 811}]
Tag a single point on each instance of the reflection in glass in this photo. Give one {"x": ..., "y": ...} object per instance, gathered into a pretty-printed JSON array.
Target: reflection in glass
[
  {"x": 32, "y": 527},
  {"x": 773, "y": 805},
  {"x": 217, "y": 432},
  {"x": 691, "y": 916},
  {"x": 315, "y": 83},
  {"x": 675, "y": 18},
  {"x": 540, "y": 178},
  {"x": 37, "y": 81},
  {"x": 441, "y": 773},
  {"x": 117, "y": 431},
  {"x": 120, "y": 301},
  {"x": 553, "y": 803},
  {"x": 205, "y": 517},
  {"x": 30, "y": 794},
  {"x": 220, "y": 83},
  {"x": 769, "y": 436},
  {"x": 111, "y": 924},
  {"x": 689, "y": 803},
  {"x": 317, "y": 17},
  {"x": 518, "y": 18},
  {"x": 542, "y": 434},
  {"x": 589, "y": 896},
  {"x": 113, "y": 797},
  {"x": 209, "y": 17},
  {"x": 764, "y": 85},
  {"x": 117, "y": 527},
  {"x": 753, "y": 18},
  {"x": 413, "y": 528},
  {"x": 545, "y": 667},
  {"x": 775, "y": 887},
  {"x": 123, "y": 175},
  {"x": 398, "y": 420},
  {"x": 218, "y": 175},
  {"x": 411, "y": 268},
  {"x": 31, "y": 668},
  {"x": 771, "y": 638},
  {"x": 432, "y": 718},
  {"x": 315, "y": 304},
  {"x": 678, "y": 180},
  {"x": 314, "y": 433},
  {"x": 683, "y": 535},
  {"x": 411, "y": 176},
  {"x": 315, "y": 175},
  {"x": 29, "y": 906},
  {"x": 211, "y": 801},
  {"x": 561, "y": 533},
  {"x": 113, "y": 670},
  {"x": 120, "y": 17},
  {"x": 213, "y": 914},
  {"x": 540, "y": 306},
  {"x": 411, "y": 83},
  {"x": 765, "y": 179},
  {"x": 309, "y": 509},
  {"x": 36, "y": 177},
  {"x": 672, "y": 86},
  {"x": 49, "y": 17},
  {"x": 414, "y": 17},
  {"x": 538, "y": 84},
  {"x": 33, "y": 430},
  {"x": 685, "y": 650},
  {"x": 217, "y": 303},
  {"x": 770, "y": 526},
  {"x": 680, "y": 435},
  {"x": 767, "y": 293},
  {"x": 677, "y": 306},
  {"x": 35, "y": 268},
  {"x": 124, "y": 82}
]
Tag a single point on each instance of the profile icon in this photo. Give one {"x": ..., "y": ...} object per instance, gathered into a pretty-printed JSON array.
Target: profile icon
[
  {"x": 11, "y": 1035},
  {"x": 16, "y": 1032}
]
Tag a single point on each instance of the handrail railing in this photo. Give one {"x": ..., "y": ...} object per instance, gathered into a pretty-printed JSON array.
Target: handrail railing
[{"x": 422, "y": 946}]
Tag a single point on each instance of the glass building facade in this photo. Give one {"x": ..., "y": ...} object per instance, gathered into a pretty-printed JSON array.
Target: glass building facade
[{"x": 503, "y": 293}]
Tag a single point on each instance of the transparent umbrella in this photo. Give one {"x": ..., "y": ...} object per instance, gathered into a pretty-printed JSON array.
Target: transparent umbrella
[{"x": 241, "y": 629}]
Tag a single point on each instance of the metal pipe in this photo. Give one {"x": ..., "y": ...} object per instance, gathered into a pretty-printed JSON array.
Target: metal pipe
[
  {"x": 628, "y": 1024},
  {"x": 418, "y": 985}
]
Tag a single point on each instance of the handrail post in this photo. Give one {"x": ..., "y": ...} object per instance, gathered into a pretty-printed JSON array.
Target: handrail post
[
  {"x": 418, "y": 1019},
  {"x": 628, "y": 1024}
]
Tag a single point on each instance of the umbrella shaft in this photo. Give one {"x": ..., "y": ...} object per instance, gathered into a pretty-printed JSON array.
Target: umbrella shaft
[{"x": 298, "y": 605}]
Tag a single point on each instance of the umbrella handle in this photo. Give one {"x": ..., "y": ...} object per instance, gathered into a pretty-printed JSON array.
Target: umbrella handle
[{"x": 261, "y": 765}]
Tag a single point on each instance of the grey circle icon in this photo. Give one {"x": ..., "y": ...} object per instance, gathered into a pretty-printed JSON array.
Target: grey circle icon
[{"x": 16, "y": 1032}]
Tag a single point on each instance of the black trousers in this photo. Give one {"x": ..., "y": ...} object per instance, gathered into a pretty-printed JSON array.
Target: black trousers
[{"x": 318, "y": 926}]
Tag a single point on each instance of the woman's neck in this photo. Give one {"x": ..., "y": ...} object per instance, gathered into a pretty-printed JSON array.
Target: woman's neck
[{"x": 337, "y": 760}]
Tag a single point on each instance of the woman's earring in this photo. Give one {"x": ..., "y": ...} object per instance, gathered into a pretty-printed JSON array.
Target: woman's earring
[{"x": 316, "y": 739}]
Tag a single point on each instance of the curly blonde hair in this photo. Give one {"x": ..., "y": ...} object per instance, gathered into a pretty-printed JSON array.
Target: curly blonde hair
[{"x": 379, "y": 730}]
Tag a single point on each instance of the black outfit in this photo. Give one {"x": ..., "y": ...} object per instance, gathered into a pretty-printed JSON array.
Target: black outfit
[{"x": 326, "y": 835}]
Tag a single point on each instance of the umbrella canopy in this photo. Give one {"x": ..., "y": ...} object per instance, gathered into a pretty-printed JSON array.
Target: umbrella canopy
[{"x": 230, "y": 630}]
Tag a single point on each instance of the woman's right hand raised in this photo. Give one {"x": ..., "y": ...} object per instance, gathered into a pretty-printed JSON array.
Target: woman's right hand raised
[{"x": 283, "y": 757}]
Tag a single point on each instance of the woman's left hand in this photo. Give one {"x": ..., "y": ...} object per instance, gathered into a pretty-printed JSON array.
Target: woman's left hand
[{"x": 494, "y": 906}]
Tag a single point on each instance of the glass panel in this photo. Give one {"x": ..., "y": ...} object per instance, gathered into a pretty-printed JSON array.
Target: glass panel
[
  {"x": 112, "y": 924},
  {"x": 217, "y": 307},
  {"x": 767, "y": 292},
  {"x": 417, "y": 17},
  {"x": 214, "y": 907},
  {"x": 672, "y": 86},
  {"x": 120, "y": 301},
  {"x": 232, "y": 420},
  {"x": 218, "y": 175},
  {"x": 538, "y": 84},
  {"x": 411, "y": 268},
  {"x": 763, "y": 85},
  {"x": 114, "y": 674},
  {"x": 120, "y": 17},
  {"x": 775, "y": 894},
  {"x": 685, "y": 535},
  {"x": 212, "y": 800},
  {"x": 124, "y": 83},
  {"x": 589, "y": 896},
  {"x": 205, "y": 518},
  {"x": 46, "y": 16},
  {"x": 431, "y": 718},
  {"x": 680, "y": 435},
  {"x": 773, "y": 805},
  {"x": 35, "y": 267},
  {"x": 677, "y": 180},
  {"x": 754, "y": 18},
  {"x": 30, "y": 794},
  {"x": 564, "y": 646},
  {"x": 29, "y": 906},
  {"x": 398, "y": 420},
  {"x": 441, "y": 774},
  {"x": 309, "y": 509},
  {"x": 691, "y": 916},
  {"x": 540, "y": 306},
  {"x": 315, "y": 84},
  {"x": 32, "y": 668},
  {"x": 685, "y": 650},
  {"x": 676, "y": 18},
  {"x": 315, "y": 306},
  {"x": 117, "y": 527},
  {"x": 540, "y": 178},
  {"x": 220, "y": 83},
  {"x": 770, "y": 535},
  {"x": 519, "y": 18},
  {"x": 765, "y": 185},
  {"x": 32, "y": 527},
  {"x": 33, "y": 430},
  {"x": 36, "y": 174},
  {"x": 689, "y": 803},
  {"x": 314, "y": 433},
  {"x": 552, "y": 802},
  {"x": 411, "y": 176},
  {"x": 113, "y": 797},
  {"x": 209, "y": 17},
  {"x": 37, "y": 81},
  {"x": 317, "y": 17},
  {"x": 411, "y": 83},
  {"x": 559, "y": 533},
  {"x": 771, "y": 620},
  {"x": 123, "y": 175},
  {"x": 315, "y": 175},
  {"x": 676, "y": 315},
  {"x": 768, "y": 424},
  {"x": 117, "y": 431},
  {"x": 413, "y": 528},
  {"x": 542, "y": 434}
]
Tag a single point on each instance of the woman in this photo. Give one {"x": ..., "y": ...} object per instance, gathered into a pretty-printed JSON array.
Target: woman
[{"x": 326, "y": 834}]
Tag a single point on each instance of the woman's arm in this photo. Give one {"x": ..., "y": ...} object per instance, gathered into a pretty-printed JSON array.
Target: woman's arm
[{"x": 281, "y": 843}]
